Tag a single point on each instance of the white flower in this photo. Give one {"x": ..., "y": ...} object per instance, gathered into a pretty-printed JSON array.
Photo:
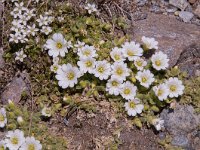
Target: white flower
[
  {"x": 46, "y": 30},
  {"x": 15, "y": 13},
  {"x": 54, "y": 68},
  {"x": 133, "y": 107},
  {"x": 145, "y": 77},
  {"x": 120, "y": 70},
  {"x": 23, "y": 38},
  {"x": 87, "y": 51},
  {"x": 117, "y": 54},
  {"x": 139, "y": 63},
  {"x": 160, "y": 61},
  {"x": 79, "y": 45},
  {"x": 158, "y": 123},
  {"x": 113, "y": 86},
  {"x": 14, "y": 38},
  {"x": 102, "y": 70},
  {"x": 43, "y": 20},
  {"x": 30, "y": 13},
  {"x": 46, "y": 112},
  {"x": 20, "y": 119},
  {"x": 57, "y": 45},
  {"x": 128, "y": 90},
  {"x": 86, "y": 64},
  {"x": 14, "y": 139},
  {"x": 55, "y": 60},
  {"x": 31, "y": 144},
  {"x": 3, "y": 118},
  {"x": 19, "y": 7},
  {"x": 132, "y": 50},
  {"x": 20, "y": 56},
  {"x": 149, "y": 43},
  {"x": 32, "y": 30},
  {"x": 161, "y": 91},
  {"x": 67, "y": 75},
  {"x": 16, "y": 25},
  {"x": 175, "y": 87},
  {"x": 2, "y": 145},
  {"x": 90, "y": 8},
  {"x": 23, "y": 19},
  {"x": 60, "y": 18}
]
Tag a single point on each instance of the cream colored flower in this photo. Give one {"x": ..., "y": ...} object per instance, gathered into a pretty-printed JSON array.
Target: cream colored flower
[
  {"x": 133, "y": 108},
  {"x": 175, "y": 87},
  {"x": 160, "y": 61},
  {"x": 145, "y": 77},
  {"x": 149, "y": 43}
]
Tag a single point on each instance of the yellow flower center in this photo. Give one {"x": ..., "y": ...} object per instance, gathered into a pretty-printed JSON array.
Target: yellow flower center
[
  {"x": 160, "y": 92},
  {"x": 88, "y": 63},
  {"x": 101, "y": 69},
  {"x": 117, "y": 57},
  {"x": 86, "y": 52},
  {"x": 55, "y": 68},
  {"x": 59, "y": 45},
  {"x": 119, "y": 71},
  {"x": 14, "y": 140},
  {"x": 130, "y": 53},
  {"x": 173, "y": 88},
  {"x": 139, "y": 63},
  {"x": 2, "y": 147},
  {"x": 70, "y": 75},
  {"x": 127, "y": 91},
  {"x": 131, "y": 104},
  {"x": 2, "y": 118},
  {"x": 148, "y": 45},
  {"x": 115, "y": 83},
  {"x": 144, "y": 79},
  {"x": 31, "y": 147},
  {"x": 158, "y": 62}
]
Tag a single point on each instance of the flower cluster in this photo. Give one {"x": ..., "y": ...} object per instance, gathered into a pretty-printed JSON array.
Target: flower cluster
[
  {"x": 24, "y": 26},
  {"x": 118, "y": 72},
  {"x": 90, "y": 8},
  {"x": 15, "y": 140}
]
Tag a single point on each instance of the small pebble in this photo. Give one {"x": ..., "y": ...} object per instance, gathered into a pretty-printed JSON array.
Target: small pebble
[{"x": 186, "y": 16}]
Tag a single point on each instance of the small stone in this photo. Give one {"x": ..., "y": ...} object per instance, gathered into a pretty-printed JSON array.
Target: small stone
[
  {"x": 162, "y": 135},
  {"x": 171, "y": 9},
  {"x": 180, "y": 140},
  {"x": 155, "y": 9},
  {"x": 181, "y": 4},
  {"x": 186, "y": 16},
  {"x": 197, "y": 11},
  {"x": 15, "y": 88},
  {"x": 176, "y": 13}
]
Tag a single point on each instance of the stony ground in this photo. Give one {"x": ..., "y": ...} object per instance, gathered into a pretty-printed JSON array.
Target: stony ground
[{"x": 178, "y": 33}]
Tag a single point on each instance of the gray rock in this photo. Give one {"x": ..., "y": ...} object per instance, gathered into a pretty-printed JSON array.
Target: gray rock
[
  {"x": 182, "y": 120},
  {"x": 171, "y": 9},
  {"x": 173, "y": 36},
  {"x": 197, "y": 11},
  {"x": 15, "y": 88},
  {"x": 180, "y": 140},
  {"x": 181, "y": 4},
  {"x": 186, "y": 16},
  {"x": 2, "y": 62},
  {"x": 181, "y": 123}
]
